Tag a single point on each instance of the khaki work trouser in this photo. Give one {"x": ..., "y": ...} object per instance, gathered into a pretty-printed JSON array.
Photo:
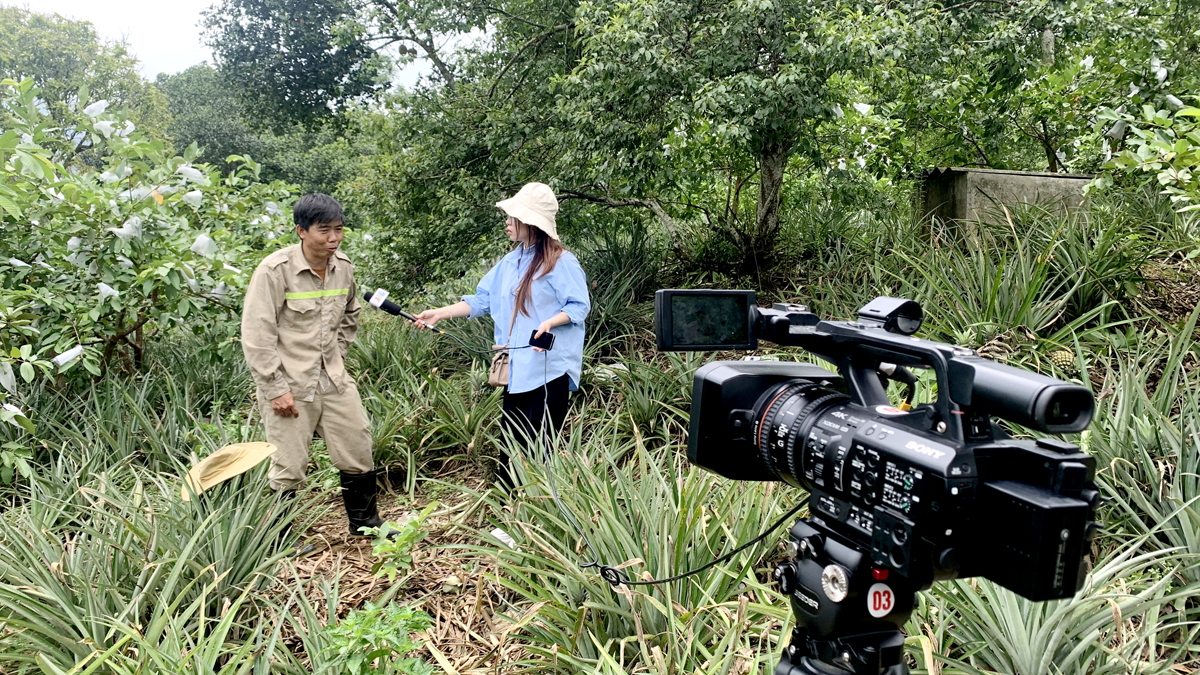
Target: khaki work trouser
[{"x": 342, "y": 422}]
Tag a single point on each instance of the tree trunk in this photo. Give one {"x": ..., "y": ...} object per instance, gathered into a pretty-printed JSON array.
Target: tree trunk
[
  {"x": 772, "y": 158},
  {"x": 1051, "y": 152}
]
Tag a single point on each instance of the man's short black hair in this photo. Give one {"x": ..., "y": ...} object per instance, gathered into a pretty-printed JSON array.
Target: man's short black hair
[{"x": 317, "y": 208}]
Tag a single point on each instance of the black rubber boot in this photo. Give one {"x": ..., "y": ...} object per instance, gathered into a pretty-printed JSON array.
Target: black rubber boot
[
  {"x": 286, "y": 539},
  {"x": 358, "y": 494}
]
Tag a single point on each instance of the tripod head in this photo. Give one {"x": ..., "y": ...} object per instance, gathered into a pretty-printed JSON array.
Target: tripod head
[{"x": 848, "y": 611}]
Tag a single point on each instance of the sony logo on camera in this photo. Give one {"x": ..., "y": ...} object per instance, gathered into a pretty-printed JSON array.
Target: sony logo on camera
[{"x": 924, "y": 450}]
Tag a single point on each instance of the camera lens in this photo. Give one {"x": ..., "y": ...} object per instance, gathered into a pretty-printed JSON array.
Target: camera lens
[{"x": 783, "y": 417}]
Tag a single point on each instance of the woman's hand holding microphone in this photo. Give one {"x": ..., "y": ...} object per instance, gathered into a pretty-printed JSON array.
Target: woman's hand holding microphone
[{"x": 430, "y": 317}]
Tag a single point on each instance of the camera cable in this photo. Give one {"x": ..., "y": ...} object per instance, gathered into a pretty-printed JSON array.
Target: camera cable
[{"x": 614, "y": 576}]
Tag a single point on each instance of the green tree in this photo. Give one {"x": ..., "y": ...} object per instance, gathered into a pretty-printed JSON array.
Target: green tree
[
  {"x": 293, "y": 60},
  {"x": 1018, "y": 85},
  {"x": 1165, "y": 144},
  {"x": 440, "y": 156},
  {"x": 101, "y": 261},
  {"x": 675, "y": 109},
  {"x": 65, "y": 58},
  {"x": 758, "y": 77},
  {"x": 298, "y": 59},
  {"x": 206, "y": 111}
]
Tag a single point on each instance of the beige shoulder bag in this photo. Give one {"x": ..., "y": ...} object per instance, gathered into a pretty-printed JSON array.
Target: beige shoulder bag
[{"x": 498, "y": 372}]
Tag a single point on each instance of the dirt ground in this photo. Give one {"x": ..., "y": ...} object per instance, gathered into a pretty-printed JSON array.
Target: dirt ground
[
  {"x": 1171, "y": 290},
  {"x": 467, "y": 636}
]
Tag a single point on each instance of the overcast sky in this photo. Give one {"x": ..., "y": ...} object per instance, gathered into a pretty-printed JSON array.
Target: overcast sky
[{"x": 163, "y": 34}]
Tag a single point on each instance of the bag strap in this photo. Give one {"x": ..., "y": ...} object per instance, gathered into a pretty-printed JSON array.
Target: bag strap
[{"x": 511, "y": 322}]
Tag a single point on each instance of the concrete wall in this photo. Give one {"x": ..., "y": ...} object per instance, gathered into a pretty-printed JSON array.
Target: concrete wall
[{"x": 966, "y": 195}]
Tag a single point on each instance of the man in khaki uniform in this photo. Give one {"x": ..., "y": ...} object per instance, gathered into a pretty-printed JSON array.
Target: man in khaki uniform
[{"x": 299, "y": 318}]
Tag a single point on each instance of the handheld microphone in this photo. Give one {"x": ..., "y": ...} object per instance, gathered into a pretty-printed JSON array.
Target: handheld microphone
[{"x": 379, "y": 300}]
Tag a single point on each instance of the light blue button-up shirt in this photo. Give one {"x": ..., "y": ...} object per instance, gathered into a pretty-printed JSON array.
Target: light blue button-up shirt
[{"x": 562, "y": 290}]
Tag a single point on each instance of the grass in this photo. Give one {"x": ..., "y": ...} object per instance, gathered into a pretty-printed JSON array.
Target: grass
[
  {"x": 653, "y": 516},
  {"x": 1111, "y": 626},
  {"x": 92, "y": 560},
  {"x": 104, "y": 570}
]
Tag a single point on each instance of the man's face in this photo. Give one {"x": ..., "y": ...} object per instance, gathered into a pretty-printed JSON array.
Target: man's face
[{"x": 321, "y": 240}]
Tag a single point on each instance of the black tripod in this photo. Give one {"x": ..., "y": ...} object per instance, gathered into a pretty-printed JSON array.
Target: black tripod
[{"x": 848, "y": 610}]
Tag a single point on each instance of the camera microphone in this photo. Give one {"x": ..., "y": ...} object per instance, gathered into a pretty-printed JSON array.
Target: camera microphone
[{"x": 379, "y": 300}]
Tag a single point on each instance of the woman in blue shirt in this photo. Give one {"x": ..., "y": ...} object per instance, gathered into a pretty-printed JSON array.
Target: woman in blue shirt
[{"x": 537, "y": 288}]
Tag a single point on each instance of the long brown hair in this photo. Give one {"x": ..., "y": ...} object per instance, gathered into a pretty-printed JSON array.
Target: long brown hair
[{"x": 546, "y": 252}]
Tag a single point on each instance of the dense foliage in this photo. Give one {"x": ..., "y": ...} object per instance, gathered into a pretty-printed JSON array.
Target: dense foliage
[
  {"x": 206, "y": 110},
  {"x": 767, "y": 143},
  {"x": 293, "y": 58},
  {"x": 71, "y": 65},
  {"x": 95, "y": 263},
  {"x": 717, "y": 123}
]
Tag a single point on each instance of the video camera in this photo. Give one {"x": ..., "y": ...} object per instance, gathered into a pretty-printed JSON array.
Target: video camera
[{"x": 900, "y": 496}]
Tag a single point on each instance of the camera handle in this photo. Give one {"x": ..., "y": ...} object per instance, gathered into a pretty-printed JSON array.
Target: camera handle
[
  {"x": 860, "y": 633},
  {"x": 857, "y": 350},
  {"x": 971, "y": 389}
]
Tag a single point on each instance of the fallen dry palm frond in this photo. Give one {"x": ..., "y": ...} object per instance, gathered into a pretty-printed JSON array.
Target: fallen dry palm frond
[{"x": 456, "y": 590}]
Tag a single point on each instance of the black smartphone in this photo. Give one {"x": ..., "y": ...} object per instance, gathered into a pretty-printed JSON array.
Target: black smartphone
[{"x": 545, "y": 342}]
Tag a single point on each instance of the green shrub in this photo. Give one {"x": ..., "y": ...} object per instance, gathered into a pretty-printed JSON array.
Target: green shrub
[
  {"x": 991, "y": 630},
  {"x": 102, "y": 553},
  {"x": 378, "y": 639}
]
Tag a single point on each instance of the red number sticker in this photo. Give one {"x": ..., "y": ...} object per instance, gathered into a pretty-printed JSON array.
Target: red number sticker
[{"x": 880, "y": 600}]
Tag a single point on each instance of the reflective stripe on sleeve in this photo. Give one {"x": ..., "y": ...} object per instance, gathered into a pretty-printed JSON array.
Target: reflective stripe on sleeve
[{"x": 316, "y": 294}]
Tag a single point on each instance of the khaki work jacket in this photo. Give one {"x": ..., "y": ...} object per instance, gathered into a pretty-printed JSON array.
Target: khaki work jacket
[{"x": 293, "y": 323}]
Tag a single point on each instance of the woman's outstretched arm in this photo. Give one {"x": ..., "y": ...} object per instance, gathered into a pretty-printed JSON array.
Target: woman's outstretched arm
[{"x": 430, "y": 317}]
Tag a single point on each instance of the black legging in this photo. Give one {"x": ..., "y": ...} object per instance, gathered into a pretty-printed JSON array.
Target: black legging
[{"x": 525, "y": 413}]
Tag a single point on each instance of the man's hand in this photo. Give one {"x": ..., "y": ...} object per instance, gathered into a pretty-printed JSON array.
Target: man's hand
[{"x": 285, "y": 406}]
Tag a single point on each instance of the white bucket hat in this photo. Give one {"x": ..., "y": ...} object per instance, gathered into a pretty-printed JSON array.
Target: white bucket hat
[{"x": 534, "y": 205}]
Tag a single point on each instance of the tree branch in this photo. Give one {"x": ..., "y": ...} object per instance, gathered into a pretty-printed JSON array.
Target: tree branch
[
  {"x": 968, "y": 3},
  {"x": 966, "y": 137},
  {"x": 652, "y": 204},
  {"x": 431, "y": 51},
  {"x": 514, "y": 17},
  {"x": 202, "y": 296},
  {"x": 531, "y": 42}
]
